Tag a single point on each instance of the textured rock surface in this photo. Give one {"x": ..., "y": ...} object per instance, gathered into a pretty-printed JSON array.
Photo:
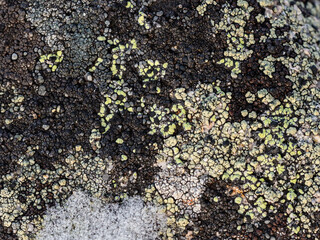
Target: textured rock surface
[{"x": 209, "y": 109}]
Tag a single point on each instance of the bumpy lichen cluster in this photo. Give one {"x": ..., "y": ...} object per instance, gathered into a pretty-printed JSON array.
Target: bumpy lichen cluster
[
  {"x": 272, "y": 156},
  {"x": 191, "y": 104},
  {"x": 43, "y": 187}
]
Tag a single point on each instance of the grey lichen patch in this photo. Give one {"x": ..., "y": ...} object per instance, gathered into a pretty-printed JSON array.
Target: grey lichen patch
[{"x": 69, "y": 27}]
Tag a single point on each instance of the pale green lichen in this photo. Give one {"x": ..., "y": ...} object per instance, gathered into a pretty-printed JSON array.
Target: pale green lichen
[{"x": 52, "y": 60}]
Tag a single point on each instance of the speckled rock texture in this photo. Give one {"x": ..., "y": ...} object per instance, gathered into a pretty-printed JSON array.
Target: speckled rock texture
[{"x": 207, "y": 109}]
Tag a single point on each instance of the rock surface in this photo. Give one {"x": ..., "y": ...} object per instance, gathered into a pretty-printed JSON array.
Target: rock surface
[{"x": 207, "y": 108}]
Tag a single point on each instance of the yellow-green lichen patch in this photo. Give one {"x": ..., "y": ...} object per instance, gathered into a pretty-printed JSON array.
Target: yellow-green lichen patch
[
  {"x": 52, "y": 60},
  {"x": 151, "y": 70},
  {"x": 142, "y": 20},
  {"x": 202, "y": 8},
  {"x": 165, "y": 121},
  {"x": 101, "y": 38},
  {"x": 97, "y": 63},
  {"x": 234, "y": 144},
  {"x": 119, "y": 53},
  {"x": 129, "y": 5},
  {"x": 267, "y": 67},
  {"x": 238, "y": 41},
  {"x": 116, "y": 99}
]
